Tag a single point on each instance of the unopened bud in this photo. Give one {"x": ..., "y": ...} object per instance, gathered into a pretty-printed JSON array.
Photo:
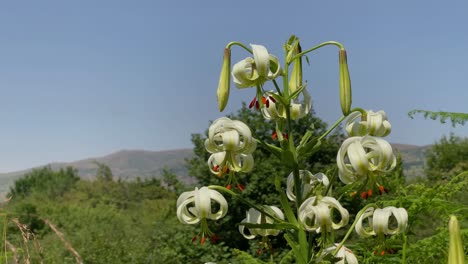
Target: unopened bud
[
  {"x": 296, "y": 75},
  {"x": 456, "y": 254},
  {"x": 224, "y": 80},
  {"x": 345, "y": 83}
]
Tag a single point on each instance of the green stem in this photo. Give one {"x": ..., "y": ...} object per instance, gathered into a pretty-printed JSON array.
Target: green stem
[
  {"x": 405, "y": 244},
  {"x": 277, "y": 87},
  {"x": 237, "y": 196},
  {"x": 339, "y": 45},
  {"x": 236, "y": 43},
  {"x": 359, "y": 214}
]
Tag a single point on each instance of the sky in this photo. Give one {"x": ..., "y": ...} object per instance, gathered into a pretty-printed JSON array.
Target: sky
[{"x": 86, "y": 78}]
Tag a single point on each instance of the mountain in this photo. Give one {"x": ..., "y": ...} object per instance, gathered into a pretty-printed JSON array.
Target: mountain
[
  {"x": 125, "y": 164},
  {"x": 129, "y": 164}
]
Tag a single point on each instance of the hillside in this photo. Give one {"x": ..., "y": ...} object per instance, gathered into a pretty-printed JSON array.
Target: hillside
[
  {"x": 128, "y": 164},
  {"x": 413, "y": 159},
  {"x": 125, "y": 164}
]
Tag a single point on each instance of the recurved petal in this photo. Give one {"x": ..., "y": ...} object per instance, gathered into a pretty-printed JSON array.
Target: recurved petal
[
  {"x": 242, "y": 229},
  {"x": 401, "y": 217},
  {"x": 332, "y": 202},
  {"x": 365, "y": 231},
  {"x": 184, "y": 196},
  {"x": 203, "y": 202},
  {"x": 245, "y": 162},
  {"x": 230, "y": 140},
  {"x": 275, "y": 67},
  {"x": 244, "y": 74},
  {"x": 262, "y": 59},
  {"x": 357, "y": 157},
  {"x": 215, "y": 161},
  {"x": 380, "y": 220},
  {"x": 183, "y": 213},
  {"x": 223, "y": 205}
]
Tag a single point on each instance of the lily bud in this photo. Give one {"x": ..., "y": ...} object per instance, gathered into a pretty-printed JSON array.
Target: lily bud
[
  {"x": 224, "y": 81},
  {"x": 345, "y": 83},
  {"x": 296, "y": 75},
  {"x": 456, "y": 254}
]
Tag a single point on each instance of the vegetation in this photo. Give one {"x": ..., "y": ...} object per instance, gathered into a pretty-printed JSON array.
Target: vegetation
[{"x": 56, "y": 217}]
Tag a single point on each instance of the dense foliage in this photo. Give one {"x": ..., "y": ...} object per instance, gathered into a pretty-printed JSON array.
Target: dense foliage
[{"x": 53, "y": 214}]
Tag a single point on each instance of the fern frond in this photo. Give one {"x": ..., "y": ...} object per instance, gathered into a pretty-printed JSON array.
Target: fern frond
[{"x": 455, "y": 118}]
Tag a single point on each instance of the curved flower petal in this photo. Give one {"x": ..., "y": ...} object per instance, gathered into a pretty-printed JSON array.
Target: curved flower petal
[
  {"x": 255, "y": 217},
  {"x": 315, "y": 216},
  {"x": 375, "y": 124},
  {"x": 262, "y": 59},
  {"x": 379, "y": 221},
  {"x": 358, "y": 156},
  {"x": 225, "y": 134},
  {"x": 195, "y": 205},
  {"x": 309, "y": 182},
  {"x": 243, "y": 73},
  {"x": 363, "y": 231},
  {"x": 333, "y": 203},
  {"x": 216, "y": 160},
  {"x": 251, "y": 72},
  {"x": 223, "y": 205},
  {"x": 344, "y": 253},
  {"x": 298, "y": 107},
  {"x": 275, "y": 68},
  {"x": 242, "y": 163}
]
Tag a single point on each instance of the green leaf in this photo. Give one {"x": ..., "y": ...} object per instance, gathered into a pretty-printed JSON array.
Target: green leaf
[
  {"x": 281, "y": 226},
  {"x": 285, "y": 203}
]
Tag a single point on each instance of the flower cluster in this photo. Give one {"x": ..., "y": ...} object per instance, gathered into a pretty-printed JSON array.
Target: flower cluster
[
  {"x": 361, "y": 160},
  {"x": 365, "y": 155}
]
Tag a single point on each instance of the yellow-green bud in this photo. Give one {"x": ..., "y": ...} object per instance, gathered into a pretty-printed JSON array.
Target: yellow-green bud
[
  {"x": 296, "y": 75},
  {"x": 224, "y": 80},
  {"x": 345, "y": 83},
  {"x": 456, "y": 254}
]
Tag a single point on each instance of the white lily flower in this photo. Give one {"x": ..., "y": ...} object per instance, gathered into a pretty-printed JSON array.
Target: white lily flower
[
  {"x": 235, "y": 162},
  {"x": 298, "y": 108},
  {"x": 252, "y": 72},
  {"x": 225, "y": 134},
  {"x": 255, "y": 217},
  {"x": 231, "y": 143},
  {"x": 379, "y": 221},
  {"x": 345, "y": 254},
  {"x": 358, "y": 156},
  {"x": 316, "y": 215},
  {"x": 375, "y": 124},
  {"x": 309, "y": 182},
  {"x": 195, "y": 205}
]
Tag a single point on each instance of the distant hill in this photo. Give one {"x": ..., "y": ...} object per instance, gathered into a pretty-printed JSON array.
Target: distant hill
[
  {"x": 413, "y": 159},
  {"x": 128, "y": 164},
  {"x": 125, "y": 164}
]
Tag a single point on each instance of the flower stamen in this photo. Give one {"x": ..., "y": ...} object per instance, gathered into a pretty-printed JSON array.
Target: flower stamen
[{"x": 253, "y": 102}]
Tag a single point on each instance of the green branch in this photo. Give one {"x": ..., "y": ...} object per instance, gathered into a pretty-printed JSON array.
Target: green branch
[{"x": 455, "y": 118}]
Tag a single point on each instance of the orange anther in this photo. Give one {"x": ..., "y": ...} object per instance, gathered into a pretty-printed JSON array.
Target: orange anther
[
  {"x": 253, "y": 102},
  {"x": 364, "y": 195}
]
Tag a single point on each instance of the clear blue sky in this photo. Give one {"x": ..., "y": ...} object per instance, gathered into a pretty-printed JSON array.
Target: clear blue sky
[{"x": 86, "y": 78}]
